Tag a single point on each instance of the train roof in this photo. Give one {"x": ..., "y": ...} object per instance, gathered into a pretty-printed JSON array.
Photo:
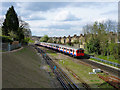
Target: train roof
[{"x": 64, "y": 46}]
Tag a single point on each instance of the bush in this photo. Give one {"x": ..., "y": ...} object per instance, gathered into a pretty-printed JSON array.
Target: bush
[
  {"x": 6, "y": 39},
  {"x": 44, "y": 38},
  {"x": 25, "y": 41}
]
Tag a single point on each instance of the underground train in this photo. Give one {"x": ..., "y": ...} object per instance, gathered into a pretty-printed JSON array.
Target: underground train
[{"x": 76, "y": 52}]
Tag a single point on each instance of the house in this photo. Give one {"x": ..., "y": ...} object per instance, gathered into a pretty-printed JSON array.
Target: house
[{"x": 63, "y": 40}]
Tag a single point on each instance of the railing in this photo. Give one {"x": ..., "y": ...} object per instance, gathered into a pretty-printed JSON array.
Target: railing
[{"x": 105, "y": 61}]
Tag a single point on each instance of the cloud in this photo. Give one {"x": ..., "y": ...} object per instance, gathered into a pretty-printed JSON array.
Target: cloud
[
  {"x": 65, "y": 15},
  {"x": 41, "y": 6},
  {"x": 115, "y": 12},
  {"x": 59, "y": 19}
]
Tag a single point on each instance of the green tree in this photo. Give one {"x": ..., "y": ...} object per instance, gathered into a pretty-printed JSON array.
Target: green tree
[
  {"x": 44, "y": 38},
  {"x": 11, "y": 20},
  {"x": 11, "y": 23},
  {"x": 50, "y": 40},
  {"x": 76, "y": 41},
  {"x": 93, "y": 46}
]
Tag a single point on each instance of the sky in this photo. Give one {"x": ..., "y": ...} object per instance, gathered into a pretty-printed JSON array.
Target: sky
[{"x": 61, "y": 18}]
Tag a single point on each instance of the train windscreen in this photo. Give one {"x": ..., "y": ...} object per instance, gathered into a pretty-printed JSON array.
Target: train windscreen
[{"x": 80, "y": 51}]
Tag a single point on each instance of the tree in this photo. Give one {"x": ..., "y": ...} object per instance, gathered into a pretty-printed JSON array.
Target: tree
[
  {"x": 76, "y": 41},
  {"x": 44, "y": 38},
  {"x": 50, "y": 40},
  {"x": 24, "y": 27},
  {"x": 11, "y": 23}
]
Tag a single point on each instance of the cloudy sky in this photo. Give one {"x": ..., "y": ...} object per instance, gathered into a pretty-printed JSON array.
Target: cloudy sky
[{"x": 62, "y": 18}]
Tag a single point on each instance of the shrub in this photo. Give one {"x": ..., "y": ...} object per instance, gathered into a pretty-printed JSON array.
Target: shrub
[{"x": 6, "y": 39}]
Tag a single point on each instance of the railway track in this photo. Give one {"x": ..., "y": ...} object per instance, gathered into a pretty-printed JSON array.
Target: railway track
[
  {"x": 65, "y": 81},
  {"x": 105, "y": 68},
  {"x": 84, "y": 84}
]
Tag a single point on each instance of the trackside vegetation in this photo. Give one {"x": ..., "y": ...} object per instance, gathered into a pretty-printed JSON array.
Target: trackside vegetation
[
  {"x": 98, "y": 41},
  {"x": 14, "y": 28}
]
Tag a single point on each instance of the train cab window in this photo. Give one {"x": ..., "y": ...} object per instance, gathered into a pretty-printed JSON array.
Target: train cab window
[
  {"x": 82, "y": 51},
  {"x": 78, "y": 51}
]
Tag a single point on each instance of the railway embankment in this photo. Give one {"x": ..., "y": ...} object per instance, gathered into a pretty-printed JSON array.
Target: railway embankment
[
  {"x": 77, "y": 70},
  {"x": 25, "y": 69}
]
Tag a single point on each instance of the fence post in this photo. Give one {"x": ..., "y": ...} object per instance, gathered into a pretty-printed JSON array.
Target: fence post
[
  {"x": 20, "y": 44},
  {"x": 9, "y": 48}
]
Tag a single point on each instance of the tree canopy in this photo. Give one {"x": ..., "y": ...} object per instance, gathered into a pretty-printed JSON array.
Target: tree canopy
[
  {"x": 45, "y": 38},
  {"x": 11, "y": 22},
  {"x": 14, "y": 27}
]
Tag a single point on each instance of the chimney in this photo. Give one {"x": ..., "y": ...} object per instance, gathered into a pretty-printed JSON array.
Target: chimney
[{"x": 75, "y": 35}]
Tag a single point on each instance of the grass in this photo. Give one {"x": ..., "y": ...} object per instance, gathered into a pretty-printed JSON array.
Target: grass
[
  {"x": 50, "y": 52},
  {"x": 111, "y": 58},
  {"x": 102, "y": 62},
  {"x": 21, "y": 69},
  {"x": 83, "y": 72}
]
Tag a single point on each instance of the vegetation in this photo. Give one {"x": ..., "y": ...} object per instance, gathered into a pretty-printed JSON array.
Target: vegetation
[
  {"x": 6, "y": 39},
  {"x": 50, "y": 40},
  {"x": 13, "y": 28},
  {"x": 75, "y": 41},
  {"x": 23, "y": 68},
  {"x": 45, "y": 38},
  {"x": 97, "y": 39},
  {"x": 83, "y": 72}
]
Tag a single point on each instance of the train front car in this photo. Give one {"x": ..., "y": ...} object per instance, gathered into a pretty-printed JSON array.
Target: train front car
[{"x": 80, "y": 52}]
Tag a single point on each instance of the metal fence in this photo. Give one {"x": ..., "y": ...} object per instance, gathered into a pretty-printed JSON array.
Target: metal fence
[
  {"x": 105, "y": 61},
  {"x": 9, "y": 47}
]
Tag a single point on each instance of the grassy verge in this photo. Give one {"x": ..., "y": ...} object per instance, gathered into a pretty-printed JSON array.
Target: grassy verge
[
  {"x": 102, "y": 62},
  {"x": 81, "y": 70},
  {"x": 21, "y": 69},
  {"x": 108, "y": 58}
]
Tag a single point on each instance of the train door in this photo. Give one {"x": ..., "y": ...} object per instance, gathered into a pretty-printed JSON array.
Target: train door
[
  {"x": 69, "y": 51},
  {"x": 73, "y": 52}
]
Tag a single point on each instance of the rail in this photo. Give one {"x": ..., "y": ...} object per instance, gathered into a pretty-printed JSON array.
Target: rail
[{"x": 64, "y": 79}]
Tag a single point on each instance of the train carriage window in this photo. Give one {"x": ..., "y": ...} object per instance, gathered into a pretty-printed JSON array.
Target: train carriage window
[{"x": 70, "y": 50}]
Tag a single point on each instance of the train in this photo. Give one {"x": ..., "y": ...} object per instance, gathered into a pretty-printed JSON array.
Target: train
[{"x": 75, "y": 52}]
